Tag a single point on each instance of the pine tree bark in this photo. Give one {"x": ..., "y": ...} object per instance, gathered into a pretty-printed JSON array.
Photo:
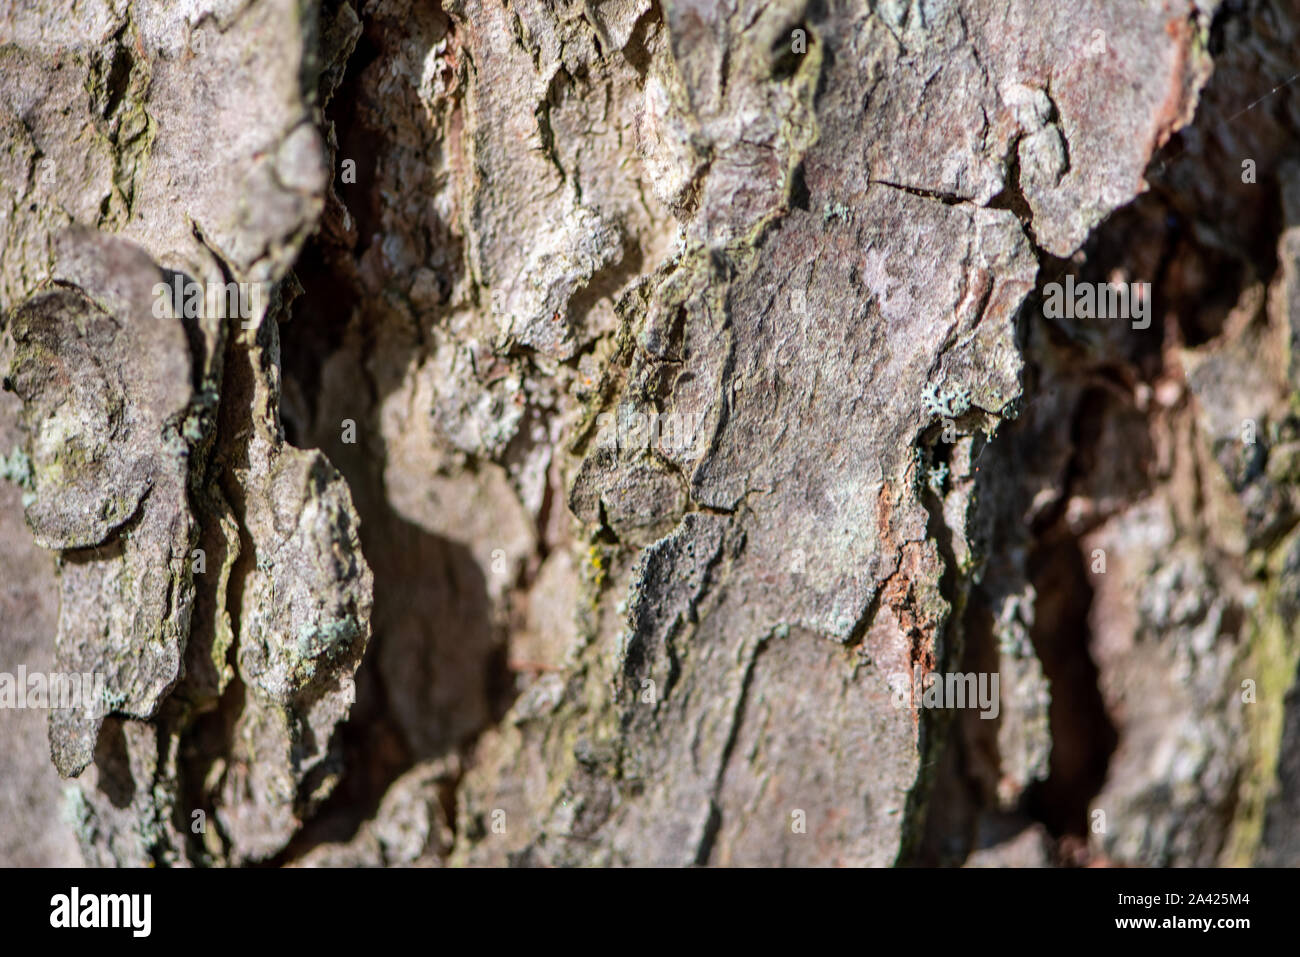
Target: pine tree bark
[{"x": 630, "y": 398}]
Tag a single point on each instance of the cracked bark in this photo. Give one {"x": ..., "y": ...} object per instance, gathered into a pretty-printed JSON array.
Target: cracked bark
[{"x": 457, "y": 605}]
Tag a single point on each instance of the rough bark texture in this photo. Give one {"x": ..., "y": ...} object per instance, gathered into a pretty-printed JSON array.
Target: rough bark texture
[{"x": 393, "y": 572}]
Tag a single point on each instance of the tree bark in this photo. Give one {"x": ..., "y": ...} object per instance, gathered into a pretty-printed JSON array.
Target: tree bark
[{"x": 630, "y": 404}]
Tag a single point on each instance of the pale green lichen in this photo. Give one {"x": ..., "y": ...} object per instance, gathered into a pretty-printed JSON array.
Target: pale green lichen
[
  {"x": 16, "y": 467},
  {"x": 946, "y": 402},
  {"x": 315, "y": 640},
  {"x": 936, "y": 477},
  {"x": 1270, "y": 661},
  {"x": 835, "y": 211},
  {"x": 75, "y": 812}
]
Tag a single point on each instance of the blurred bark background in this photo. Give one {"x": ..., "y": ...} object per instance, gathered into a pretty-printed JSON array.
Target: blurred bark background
[{"x": 392, "y": 573}]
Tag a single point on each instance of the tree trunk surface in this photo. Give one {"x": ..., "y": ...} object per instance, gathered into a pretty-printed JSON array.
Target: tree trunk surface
[{"x": 623, "y": 409}]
